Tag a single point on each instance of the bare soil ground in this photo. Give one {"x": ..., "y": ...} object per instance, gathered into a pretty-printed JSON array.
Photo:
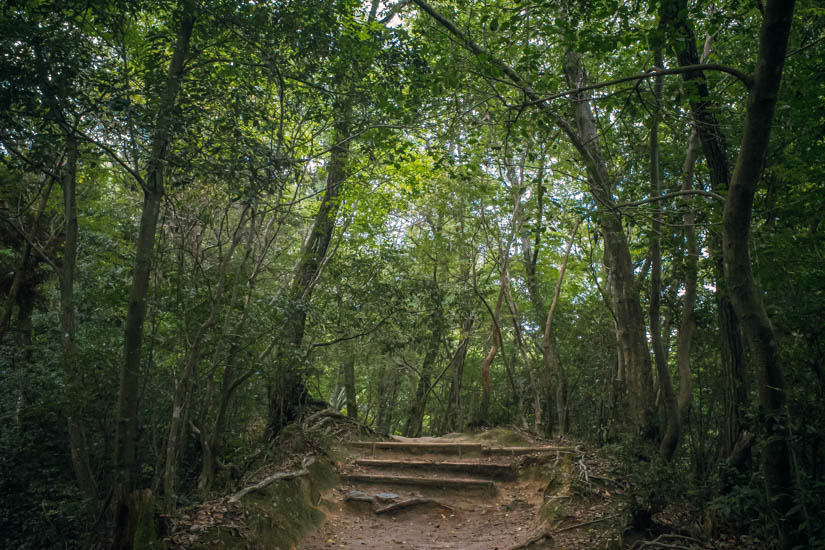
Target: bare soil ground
[{"x": 537, "y": 509}]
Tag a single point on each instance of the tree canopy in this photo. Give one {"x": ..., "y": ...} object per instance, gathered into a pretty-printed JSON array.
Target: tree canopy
[{"x": 592, "y": 220}]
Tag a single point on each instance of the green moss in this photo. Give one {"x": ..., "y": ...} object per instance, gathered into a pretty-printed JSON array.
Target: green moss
[
  {"x": 557, "y": 492},
  {"x": 145, "y": 532},
  {"x": 505, "y": 437},
  {"x": 552, "y": 509},
  {"x": 280, "y": 515}
]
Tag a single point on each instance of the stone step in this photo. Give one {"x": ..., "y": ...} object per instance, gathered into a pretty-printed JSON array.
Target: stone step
[
  {"x": 422, "y": 481},
  {"x": 489, "y": 469},
  {"x": 420, "y": 447},
  {"x": 517, "y": 451},
  {"x": 459, "y": 449}
]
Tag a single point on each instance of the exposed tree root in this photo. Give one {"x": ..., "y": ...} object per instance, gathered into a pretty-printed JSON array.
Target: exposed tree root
[
  {"x": 407, "y": 504},
  {"x": 549, "y": 534},
  {"x": 275, "y": 477},
  {"x": 532, "y": 540}
]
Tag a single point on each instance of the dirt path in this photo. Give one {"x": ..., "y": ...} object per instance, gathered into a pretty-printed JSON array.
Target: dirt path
[{"x": 462, "y": 495}]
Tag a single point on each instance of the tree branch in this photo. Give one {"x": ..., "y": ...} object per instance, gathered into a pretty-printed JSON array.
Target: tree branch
[
  {"x": 747, "y": 80},
  {"x": 710, "y": 194}
]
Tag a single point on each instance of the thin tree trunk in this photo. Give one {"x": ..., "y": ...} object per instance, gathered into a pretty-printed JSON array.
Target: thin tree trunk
[
  {"x": 691, "y": 255},
  {"x": 125, "y": 445},
  {"x": 515, "y": 316},
  {"x": 714, "y": 146},
  {"x": 415, "y": 421},
  {"x": 349, "y": 384},
  {"x": 746, "y": 297},
  {"x": 387, "y": 389},
  {"x": 211, "y": 430},
  {"x": 454, "y": 415},
  {"x": 183, "y": 387},
  {"x": 671, "y": 436},
  {"x": 484, "y": 410},
  {"x": 551, "y": 360},
  {"x": 77, "y": 439},
  {"x": 625, "y": 298}
]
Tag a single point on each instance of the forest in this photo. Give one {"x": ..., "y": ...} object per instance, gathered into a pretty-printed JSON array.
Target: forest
[{"x": 596, "y": 221}]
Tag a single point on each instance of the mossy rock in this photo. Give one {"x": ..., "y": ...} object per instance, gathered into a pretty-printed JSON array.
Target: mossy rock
[
  {"x": 557, "y": 493},
  {"x": 505, "y": 437},
  {"x": 281, "y": 514}
]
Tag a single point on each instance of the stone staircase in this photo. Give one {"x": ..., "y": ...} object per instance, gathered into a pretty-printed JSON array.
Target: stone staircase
[
  {"x": 446, "y": 472},
  {"x": 445, "y": 493}
]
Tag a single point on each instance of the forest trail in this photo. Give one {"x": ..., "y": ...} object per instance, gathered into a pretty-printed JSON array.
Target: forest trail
[{"x": 432, "y": 493}]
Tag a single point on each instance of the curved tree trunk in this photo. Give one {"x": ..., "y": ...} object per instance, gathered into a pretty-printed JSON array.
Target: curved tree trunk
[
  {"x": 484, "y": 410},
  {"x": 288, "y": 393},
  {"x": 746, "y": 296},
  {"x": 683, "y": 38},
  {"x": 624, "y": 294}
]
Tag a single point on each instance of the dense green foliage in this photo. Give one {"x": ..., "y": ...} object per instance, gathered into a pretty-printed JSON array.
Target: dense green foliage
[{"x": 448, "y": 192}]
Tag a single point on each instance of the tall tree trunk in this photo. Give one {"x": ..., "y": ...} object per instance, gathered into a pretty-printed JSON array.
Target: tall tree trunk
[
  {"x": 387, "y": 390},
  {"x": 746, "y": 297},
  {"x": 515, "y": 316},
  {"x": 484, "y": 409},
  {"x": 125, "y": 445},
  {"x": 691, "y": 256},
  {"x": 551, "y": 361},
  {"x": 288, "y": 393},
  {"x": 671, "y": 436},
  {"x": 349, "y": 384},
  {"x": 415, "y": 421},
  {"x": 212, "y": 430},
  {"x": 624, "y": 295},
  {"x": 673, "y": 18},
  {"x": 212, "y": 426},
  {"x": 454, "y": 415},
  {"x": 77, "y": 439}
]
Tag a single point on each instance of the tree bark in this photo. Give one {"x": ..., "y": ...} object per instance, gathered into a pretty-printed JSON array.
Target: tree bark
[
  {"x": 77, "y": 439},
  {"x": 454, "y": 415},
  {"x": 671, "y": 436},
  {"x": 124, "y": 460},
  {"x": 624, "y": 295},
  {"x": 746, "y": 297},
  {"x": 349, "y": 384},
  {"x": 288, "y": 394},
  {"x": 674, "y": 20},
  {"x": 691, "y": 257}
]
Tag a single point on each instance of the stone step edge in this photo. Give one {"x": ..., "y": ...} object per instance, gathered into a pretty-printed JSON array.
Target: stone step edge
[
  {"x": 451, "y": 482},
  {"x": 479, "y": 468},
  {"x": 458, "y": 447}
]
